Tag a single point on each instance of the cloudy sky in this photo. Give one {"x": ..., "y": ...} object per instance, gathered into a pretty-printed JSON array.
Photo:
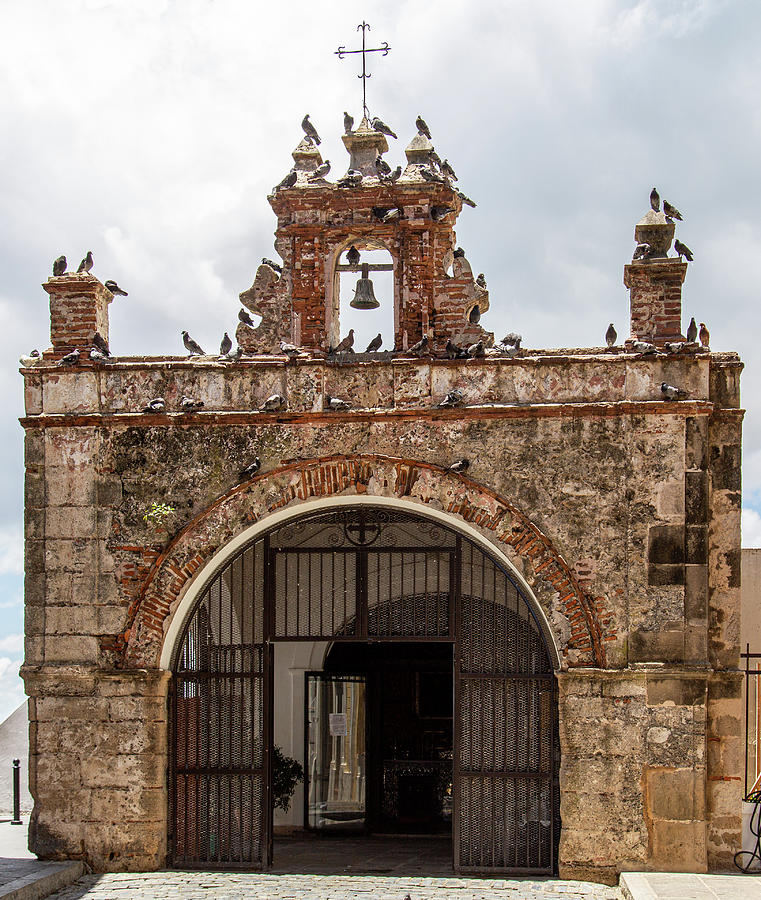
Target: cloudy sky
[{"x": 151, "y": 131}]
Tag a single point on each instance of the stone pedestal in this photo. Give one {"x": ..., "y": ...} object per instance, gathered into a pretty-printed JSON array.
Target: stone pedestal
[
  {"x": 78, "y": 308},
  {"x": 364, "y": 145},
  {"x": 655, "y": 287}
]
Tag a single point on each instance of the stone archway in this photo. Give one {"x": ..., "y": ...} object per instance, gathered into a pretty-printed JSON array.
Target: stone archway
[{"x": 578, "y": 628}]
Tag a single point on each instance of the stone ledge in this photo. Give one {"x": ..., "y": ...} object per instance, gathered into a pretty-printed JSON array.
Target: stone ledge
[{"x": 46, "y": 878}]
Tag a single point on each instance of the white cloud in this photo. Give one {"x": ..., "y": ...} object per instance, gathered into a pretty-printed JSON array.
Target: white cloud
[
  {"x": 11, "y": 551},
  {"x": 751, "y": 528},
  {"x": 12, "y": 643}
]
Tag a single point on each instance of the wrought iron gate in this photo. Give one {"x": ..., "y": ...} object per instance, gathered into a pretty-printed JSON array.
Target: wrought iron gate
[{"x": 357, "y": 574}]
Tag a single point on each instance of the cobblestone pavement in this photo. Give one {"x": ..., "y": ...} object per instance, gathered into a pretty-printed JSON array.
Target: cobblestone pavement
[{"x": 174, "y": 885}]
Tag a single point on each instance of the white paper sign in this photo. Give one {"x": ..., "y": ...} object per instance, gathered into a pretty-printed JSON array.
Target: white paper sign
[{"x": 337, "y": 724}]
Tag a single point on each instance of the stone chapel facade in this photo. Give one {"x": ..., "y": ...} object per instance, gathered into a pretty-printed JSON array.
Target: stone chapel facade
[{"x": 607, "y": 518}]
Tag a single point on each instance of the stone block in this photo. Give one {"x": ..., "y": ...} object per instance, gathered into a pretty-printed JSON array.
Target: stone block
[
  {"x": 34, "y": 524},
  {"x": 148, "y": 770},
  {"x": 696, "y": 545},
  {"x": 678, "y": 846},
  {"x": 34, "y": 489},
  {"x": 71, "y": 648},
  {"x": 134, "y": 804},
  {"x": 665, "y": 544},
  {"x": 656, "y": 646},
  {"x": 70, "y": 487},
  {"x": 412, "y": 384},
  {"x": 696, "y": 645},
  {"x": 695, "y": 497},
  {"x": 76, "y": 556},
  {"x": 676, "y": 794},
  {"x": 724, "y": 796},
  {"x": 695, "y": 592},
  {"x": 70, "y": 522},
  {"x": 672, "y": 690},
  {"x": 725, "y": 467},
  {"x": 70, "y": 392},
  {"x": 34, "y": 447},
  {"x": 662, "y": 575},
  {"x": 671, "y": 499}
]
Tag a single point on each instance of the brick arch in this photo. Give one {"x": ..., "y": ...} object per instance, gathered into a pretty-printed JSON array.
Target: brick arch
[{"x": 181, "y": 562}]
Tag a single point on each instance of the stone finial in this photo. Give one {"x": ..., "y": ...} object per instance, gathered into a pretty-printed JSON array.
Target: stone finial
[
  {"x": 365, "y": 145},
  {"x": 656, "y": 231},
  {"x": 419, "y": 150},
  {"x": 78, "y": 308},
  {"x": 306, "y": 157}
]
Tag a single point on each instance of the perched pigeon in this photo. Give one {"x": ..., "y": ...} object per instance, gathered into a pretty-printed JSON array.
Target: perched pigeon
[
  {"x": 71, "y": 359},
  {"x": 459, "y": 253},
  {"x": 190, "y": 404},
  {"x": 380, "y": 125},
  {"x": 348, "y": 123},
  {"x": 352, "y": 256},
  {"x": 272, "y": 264},
  {"x": 273, "y": 403},
  {"x": 115, "y": 289},
  {"x": 481, "y": 280},
  {"x": 97, "y": 356},
  {"x": 676, "y": 346},
  {"x": 32, "y": 359},
  {"x": 455, "y": 352},
  {"x": 453, "y": 398},
  {"x": 438, "y": 212},
  {"x": 380, "y": 212},
  {"x": 643, "y": 347},
  {"x": 671, "y": 211},
  {"x": 683, "y": 250},
  {"x": 157, "y": 405},
  {"x": 346, "y": 344},
  {"x": 392, "y": 214},
  {"x": 421, "y": 348},
  {"x": 99, "y": 343},
  {"x": 250, "y": 470},
  {"x": 289, "y": 180},
  {"x": 465, "y": 199},
  {"x": 477, "y": 350},
  {"x": 191, "y": 346},
  {"x": 244, "y": 317},
  {"x": 704, "y": 335},
  {"x": 381, "y": 166},
  {"x": 512, "y": 339},
  {"x": 474, "y": 316},
  {"x": 460, "y": 465},
  {"x": 309, "y": 130},
  {"x": 670, "y": 392},
  {"x": 87, "y": 263},
  {"x": 692, "y": 331},
  {"x": 353, "y": 178},
  {"x": 422, "y": 127},
  {"x": 375, "y": 344},
  {"x": 436, "y": 159},
  {"x": 226, "y": 346},
  {"x": 235, "y": 355},
  {"x": 655, "y": 200},
  {"x": 447, "y": 169},
  {"x": 429, "y": 175},
  {"x": 335, "y": 404},
  {"x": 59, "y": 266},
  {"x": 290, "y": 350},
  {"x": 394, "y": 176},
  {"x": 642, "y": 251},
  {"x": 611, "y": 336},
  {"x": 321, "y": 171}
]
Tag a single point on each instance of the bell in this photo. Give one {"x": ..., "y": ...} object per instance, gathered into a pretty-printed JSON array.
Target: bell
[{"x": 364, "y": 298}]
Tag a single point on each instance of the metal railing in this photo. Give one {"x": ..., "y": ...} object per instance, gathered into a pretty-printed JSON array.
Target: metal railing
[{"x": 752, "y": 781}]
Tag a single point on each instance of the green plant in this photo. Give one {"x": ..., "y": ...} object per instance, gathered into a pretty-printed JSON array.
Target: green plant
[
  {"x": 286, "y": 774},
  {"x": 157, "y": 513}
]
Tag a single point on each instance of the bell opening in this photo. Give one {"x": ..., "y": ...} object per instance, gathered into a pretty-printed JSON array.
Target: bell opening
[{"x": 365, "y": 299}]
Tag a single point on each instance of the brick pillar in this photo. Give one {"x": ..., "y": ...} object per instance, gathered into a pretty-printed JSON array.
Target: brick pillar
[
  {"x": 655, "y": 292},
  {"x": 78, "y": 308}
]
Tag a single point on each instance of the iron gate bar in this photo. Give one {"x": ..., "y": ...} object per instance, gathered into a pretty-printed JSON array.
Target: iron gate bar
[{"x": 748, "y": 656}]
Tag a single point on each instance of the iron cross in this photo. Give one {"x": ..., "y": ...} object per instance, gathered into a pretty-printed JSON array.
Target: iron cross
[{"x": 342, "y": 51}]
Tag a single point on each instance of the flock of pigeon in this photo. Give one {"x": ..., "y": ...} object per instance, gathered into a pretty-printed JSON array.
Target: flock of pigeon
[{"x": 645, "y": 251}]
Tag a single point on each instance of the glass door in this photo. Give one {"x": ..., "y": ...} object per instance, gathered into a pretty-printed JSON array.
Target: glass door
[{"x": 335, "y": 755}]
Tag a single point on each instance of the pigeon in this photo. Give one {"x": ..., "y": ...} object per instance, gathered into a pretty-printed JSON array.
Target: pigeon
[
  {"x": 59, "y": 266},
  {"x": 611, "y": 335},
  {"x": 692, "y": 331},
  {"x": 380, "y": 125},
  {"x": 643, "y": 347},
  {"x": 380, "y": 211},
  {"x": 422, "y": 127},
  {"x": 321, "y": 171},
  {"x": 671, "y": 211},
  {"x": 676, "y": 347},
  {"x": 655, "y": 200},
  {"x": 273, "y": 403},
  {"x": 375, "y": 344},
  {"x": 453, "y": 398},
  {"x": 191, "y": 346},
  {"x": 246, "y": 319},
  {"x": 704, "y": 335},
  {"x": 335, "y": 404},
  {"x": 353, "y": 178},
  {"x": 381, "y": 166},
  {"x": 455, "y": 352},
  {"x": 190, "y": 404},
  {"x": 460, "y": 465},
  {"x": 394, "y": 176},
  {"x": 670, "y": 392},
  {"x": 250, "y": 470},
  {"x": 346, "y": 344},
  {"x": 352, "y": 256},
  {"x": 476, "y": 351},
  {"x": 272, "y": 264},
  {"x": 235, "y": 355},
  {"x": 474, "y": 316},
  {"x": 157, "y": 405},
  {"x": 288, "y": 181},
  {"x": 392, "y": 214},
  {"x": 465, "y": 199},
  {"x": 99, "y": 343},
  {"x": 71, "y": 359},
  {"x": 348, "y": 123},
  {"x": 438, "y": 212},
  {"x": 513, "y": 340},
  {"x": 420, "y": 348},
  {"x": 459, "y": 253},
  {"x": 115, "y": 289},
  {"x": 309, "y": 130},
  {"x": 683, "y": 250},
  {"x": 226, "y": 346},
  {"x": 86, "y": 264},
  {"x": 97, "y": 356},
  {"x": 447, "y": 169},
  {"x": 32, "y": 359},
  {"x": 481, "y": 281},
  {"x": 429, "y": 175},
  {"x": 290, "y": 350},
  {"x": 435, "y": 159},
  {"x": 642, "y": 251}
]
